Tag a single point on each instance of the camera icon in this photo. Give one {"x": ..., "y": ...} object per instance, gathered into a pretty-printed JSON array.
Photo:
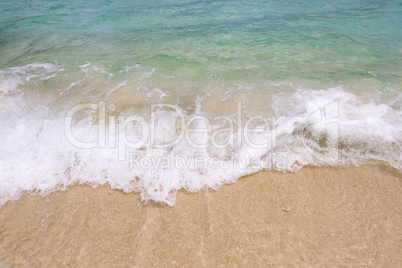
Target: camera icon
[{"x": 320, "y": 134}]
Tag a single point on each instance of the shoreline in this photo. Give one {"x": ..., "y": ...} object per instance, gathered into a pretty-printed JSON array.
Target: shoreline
[{"x": 316, "y": 216}]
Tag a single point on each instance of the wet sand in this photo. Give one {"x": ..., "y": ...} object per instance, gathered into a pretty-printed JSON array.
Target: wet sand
[{"x": 317, "y": 216}]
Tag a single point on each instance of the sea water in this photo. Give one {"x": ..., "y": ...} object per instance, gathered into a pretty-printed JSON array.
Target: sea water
[{"x": 158, "y": 96}]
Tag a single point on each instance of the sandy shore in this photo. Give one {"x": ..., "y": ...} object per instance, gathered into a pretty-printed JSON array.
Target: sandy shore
[{"x": 317, "y": 216}]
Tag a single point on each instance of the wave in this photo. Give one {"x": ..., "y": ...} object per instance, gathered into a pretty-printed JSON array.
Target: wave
[{"x": 120, "y": 129}]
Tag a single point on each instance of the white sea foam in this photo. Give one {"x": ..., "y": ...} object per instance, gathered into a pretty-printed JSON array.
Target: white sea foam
[{"x": 330, "y": 126}]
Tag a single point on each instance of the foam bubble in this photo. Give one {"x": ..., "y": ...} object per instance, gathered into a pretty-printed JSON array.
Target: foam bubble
[{"x": 330, "y": 126}]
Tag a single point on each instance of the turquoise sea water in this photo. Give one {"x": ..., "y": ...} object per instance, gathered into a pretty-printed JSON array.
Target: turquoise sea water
[
  {"x": 280, "y": 59},
  {"x": 253, "y": 39}
]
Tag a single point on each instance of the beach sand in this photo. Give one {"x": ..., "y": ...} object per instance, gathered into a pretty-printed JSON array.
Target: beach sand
[{"x": 317, "y": 216}]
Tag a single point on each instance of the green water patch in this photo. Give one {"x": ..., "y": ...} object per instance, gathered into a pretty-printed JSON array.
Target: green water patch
[{"x": 367, "y": 75}]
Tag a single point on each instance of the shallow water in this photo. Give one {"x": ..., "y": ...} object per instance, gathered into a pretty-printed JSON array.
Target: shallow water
[{"x": 322, "y": 81}]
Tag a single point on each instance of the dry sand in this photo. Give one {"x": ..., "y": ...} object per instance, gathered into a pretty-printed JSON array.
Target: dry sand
[{"x": 317, "y": 216}]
